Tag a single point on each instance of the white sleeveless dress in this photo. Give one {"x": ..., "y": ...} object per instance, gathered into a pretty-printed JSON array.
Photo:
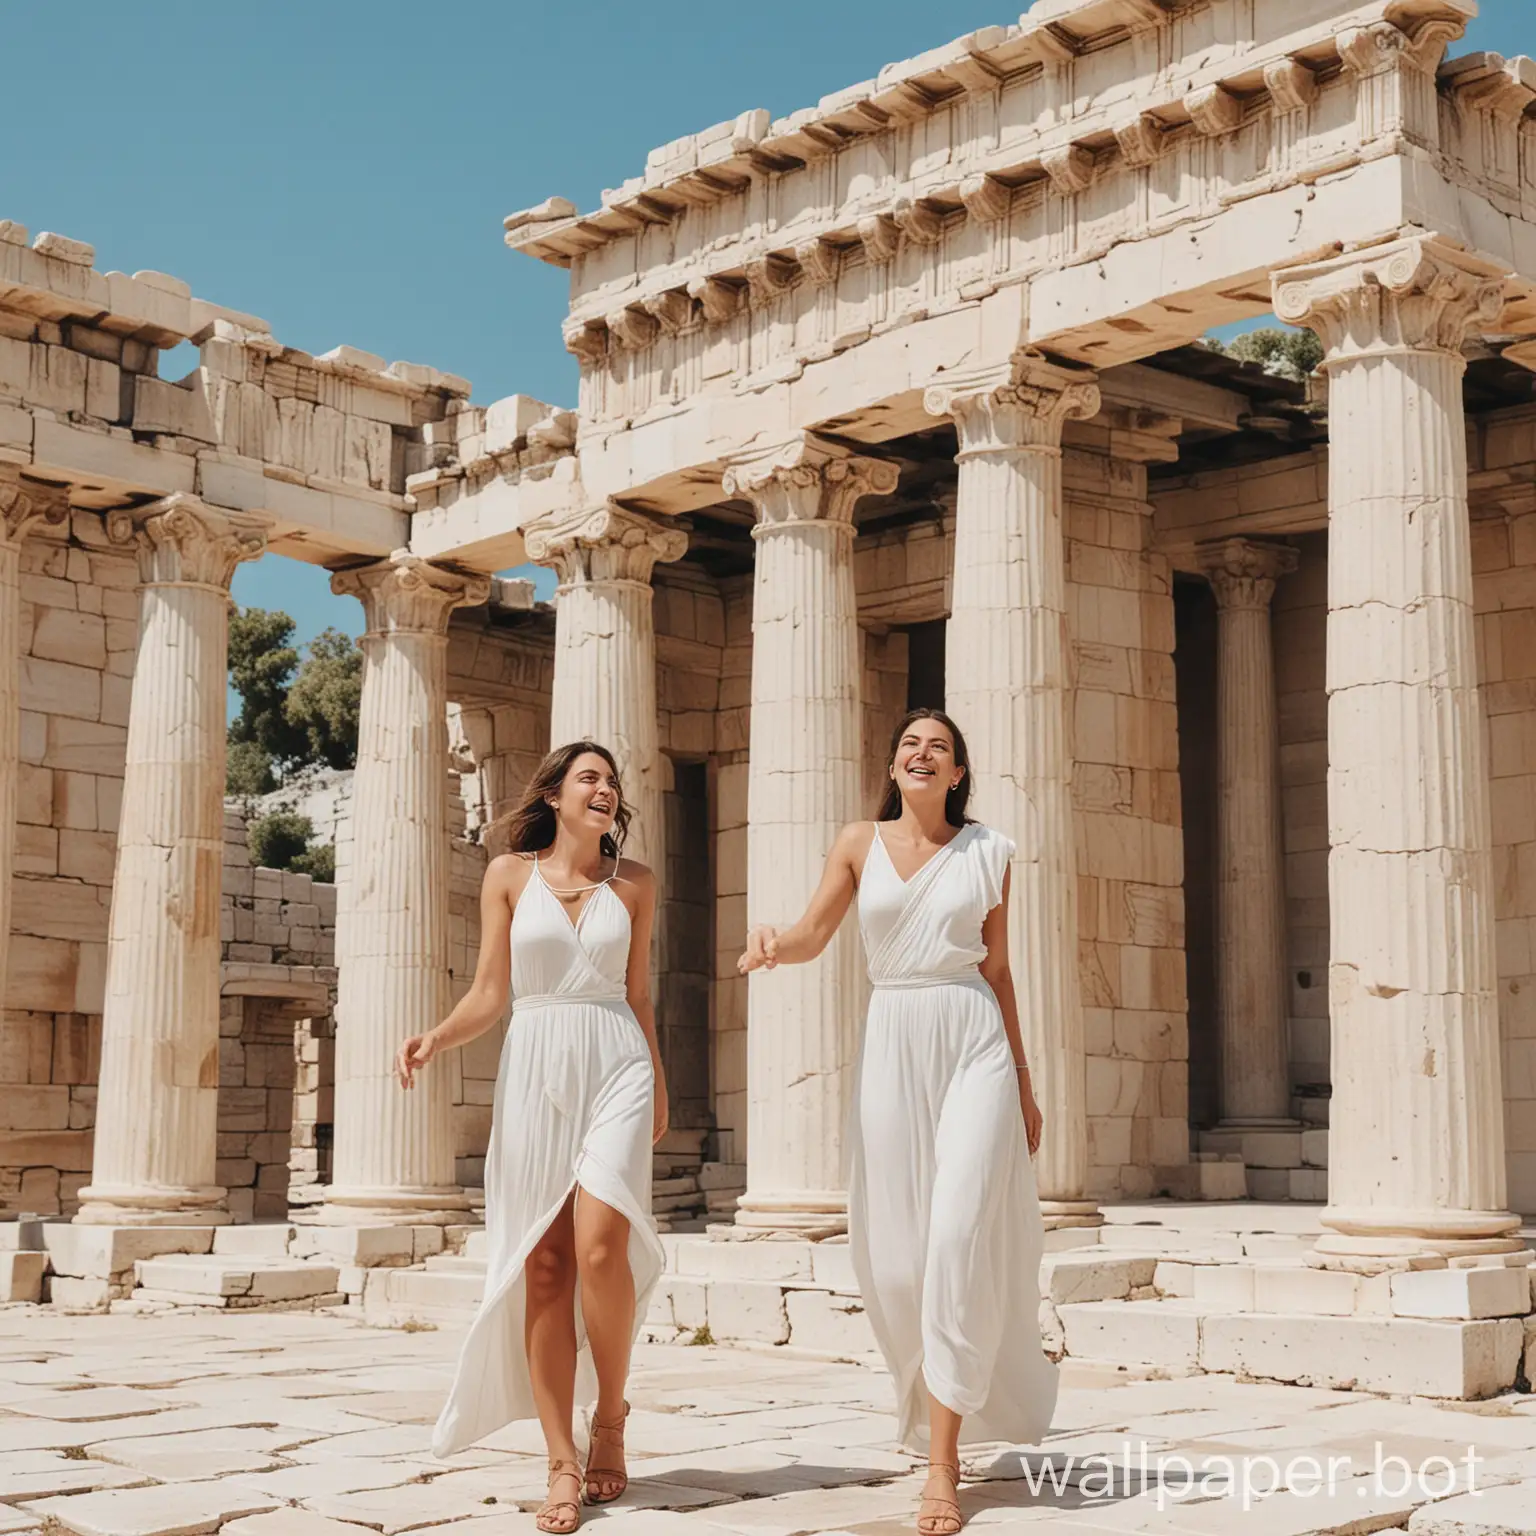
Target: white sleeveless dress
[
  {"x": 574, "y": 1104},
  {"x": 944, "y": 1219}
]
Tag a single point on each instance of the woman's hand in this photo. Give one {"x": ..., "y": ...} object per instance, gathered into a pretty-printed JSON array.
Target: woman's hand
[
  {"x": 762, "y": 950},
  {"x": 1034, "y": 1121},
  {"x": 414, "y": 1055},
  {"x": 661, "y": 1111}
]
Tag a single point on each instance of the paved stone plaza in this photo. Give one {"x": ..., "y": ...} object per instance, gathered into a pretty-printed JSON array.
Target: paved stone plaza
[{"x": 313, "y": 1425}]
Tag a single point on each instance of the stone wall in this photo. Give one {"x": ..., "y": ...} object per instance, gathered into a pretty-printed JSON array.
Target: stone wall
[
  {"x": 278, "y": 930},
  {"x": 1504, "y": 564},
  {"x": 79, "y": 632},
  {"x": 1129, "y": 829},
  {"x": 1300, "y": 626}
]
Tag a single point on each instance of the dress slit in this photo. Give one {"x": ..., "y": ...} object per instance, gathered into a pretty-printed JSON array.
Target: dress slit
[{"x": 574, "y": 1110}]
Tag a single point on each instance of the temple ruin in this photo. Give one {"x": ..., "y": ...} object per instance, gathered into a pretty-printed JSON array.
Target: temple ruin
[{"x": 901, "y": 399}]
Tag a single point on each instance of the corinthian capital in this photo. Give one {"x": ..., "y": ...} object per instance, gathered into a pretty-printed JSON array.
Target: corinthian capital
[
  {"x": 183, "y": 542},
  {"x": 608, "y": 544},
  {"x": 1021, "y": 404},
  {"x": 807, "y": 480},
  {"x": 1415, "y": 294},
  {"x": 25, "y": 504},
  {"x": 406, "y": 594},
  {"x": 1243, "y": 573}
]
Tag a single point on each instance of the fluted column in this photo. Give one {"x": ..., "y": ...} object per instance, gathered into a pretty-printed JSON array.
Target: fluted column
[
  {"x": 605, "y": 649},
  {"x": 803, "y": 779},
  {"x": 394, "y": 1152},
  {"x": 24, "y": 504},
  {"x": 157, "y": 1108},
  {"x": 1007, "y": 685},
  {"x": 1416, "y": 1155},
  {"x": 1250, "y": 882}
]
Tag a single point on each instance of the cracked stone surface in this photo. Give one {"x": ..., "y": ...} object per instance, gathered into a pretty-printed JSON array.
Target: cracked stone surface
[{"x": 313, "y": 1425}]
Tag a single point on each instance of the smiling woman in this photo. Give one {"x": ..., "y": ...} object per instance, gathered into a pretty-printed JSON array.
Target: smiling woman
[
  {"x": 572, "y": 1250},
  {"x": 944, "y": 1223}
]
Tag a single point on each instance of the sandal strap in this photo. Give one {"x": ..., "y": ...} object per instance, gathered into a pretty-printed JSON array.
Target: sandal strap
[{"x": 613, "y": 1427}]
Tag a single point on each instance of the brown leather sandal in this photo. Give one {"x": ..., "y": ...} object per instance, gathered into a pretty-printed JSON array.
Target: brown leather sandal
[
  {"x": 605, "y": 1484},
  {"x": 938, "y": 1515},
  {"x": 561, "y": 1516}
]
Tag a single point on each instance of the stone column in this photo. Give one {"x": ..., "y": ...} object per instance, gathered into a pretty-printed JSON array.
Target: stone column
[
  {"x": 1416, "y": 1154},
  {"x": 23, "y": 505},
  {"x": 605, "y": 650},
  {"x": 803, "y": 786},
  {"x": 1250, "y": 882},
  {"x": 157, "y": 1112},
  {"x": 1008, "y": 687},
  {"x": 394, "y": 1153}
]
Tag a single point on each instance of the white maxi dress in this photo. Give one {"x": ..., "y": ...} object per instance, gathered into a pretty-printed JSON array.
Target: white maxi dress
[
  {"x": 944, "y": 1220},
  {"x": 574, "y": 1104}
]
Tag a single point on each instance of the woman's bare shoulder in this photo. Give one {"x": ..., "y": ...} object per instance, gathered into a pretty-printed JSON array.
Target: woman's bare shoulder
[
  {"x": 633, "y": 872},
  {"x": 509, "y": 871}
]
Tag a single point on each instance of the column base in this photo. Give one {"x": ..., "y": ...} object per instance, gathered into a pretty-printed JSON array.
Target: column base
[
  {"x": 804, "y": 1213},
  {"x": 1058, "y": 1214},
  {"x": 105, "y": 1205},
  {"x": 416, "y": 1206},
  {"x": 1372, "y": 1241}
]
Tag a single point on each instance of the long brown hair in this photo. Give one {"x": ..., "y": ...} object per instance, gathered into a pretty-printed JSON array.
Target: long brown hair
[
  {"x": 529, "y": 827},
  {"x": 957, "y": 799}
]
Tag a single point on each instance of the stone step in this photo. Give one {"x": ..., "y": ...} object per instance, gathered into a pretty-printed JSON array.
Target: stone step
[
  {"x": 455, "y": 1264},
  {"x": 232, "y": 1280},
  {"x": 1220, "y": 1330},
  {"x": 268, "y": 1239},
  {"x": 21, "y": 1275},
  {"x": 395, "y": 1296}
]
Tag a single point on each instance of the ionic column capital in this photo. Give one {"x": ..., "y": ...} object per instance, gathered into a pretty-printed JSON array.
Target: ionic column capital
[
  {"x": 1243, "y": 572},
  {"x": 1379, "y": 46},
  {"x": 1020, "y": 404},
  {"x": 406, "y": 594},
  {"x": 183, "y": 542},
  {"x": 1416, "y": 294},
  {"x": 807, "y": 480},
  {"x": 25, "y": 504},
  {"x": 604, "y": 545}
]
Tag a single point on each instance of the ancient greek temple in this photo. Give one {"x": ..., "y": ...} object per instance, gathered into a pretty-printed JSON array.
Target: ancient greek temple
[{"x": 901, "y": 399}]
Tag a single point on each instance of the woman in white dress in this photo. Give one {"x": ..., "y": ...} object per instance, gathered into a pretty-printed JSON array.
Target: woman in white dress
[
  {"x": 944, "y": 1221},
  {"x": 580, "y": 1100}
]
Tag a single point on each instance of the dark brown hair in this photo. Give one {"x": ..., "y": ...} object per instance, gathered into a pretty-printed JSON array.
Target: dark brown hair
[
  {"x": 529, "y": 827},
  {"x": 958, "y": 798}
]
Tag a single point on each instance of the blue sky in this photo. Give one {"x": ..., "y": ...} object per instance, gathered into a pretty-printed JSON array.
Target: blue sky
[{"x": 342, "y": 168}]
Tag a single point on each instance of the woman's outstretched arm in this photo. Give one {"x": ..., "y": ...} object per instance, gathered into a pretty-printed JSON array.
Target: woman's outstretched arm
[
  {"x": 768, "y": 946},
  {"x": 484, "y": 1003}
]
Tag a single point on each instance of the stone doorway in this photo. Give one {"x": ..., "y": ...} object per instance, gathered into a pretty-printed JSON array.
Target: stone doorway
[
  {"x": 276, "y": 1066},
  {"x": 686, "y": 955},
  {"x": 1194, "y": 660}
]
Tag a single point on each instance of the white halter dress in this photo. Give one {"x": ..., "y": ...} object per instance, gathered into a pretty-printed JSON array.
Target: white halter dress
[
  {"x": 574, "y": 1103},
  {"x": 944, "y": 1219}
]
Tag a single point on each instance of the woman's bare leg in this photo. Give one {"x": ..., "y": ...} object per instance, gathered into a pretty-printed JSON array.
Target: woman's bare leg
[
  {"x": 938, "y": 1515},
  {"x": 608, "y": 1309},
  {"x": 549, "y": 1331}
]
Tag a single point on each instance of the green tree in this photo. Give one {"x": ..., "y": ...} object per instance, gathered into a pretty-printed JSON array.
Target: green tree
[
  {"x": 250, "y": 770},
  {"x": 326, "y": 697},
  {"x": 319, "y": 861},
  {"x": 1292, "y": 353},
  {"x": 261, "y": 665},
  {"x": 277, "y": 839}
]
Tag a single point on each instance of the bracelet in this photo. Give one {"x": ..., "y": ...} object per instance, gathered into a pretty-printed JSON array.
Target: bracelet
[{"x": 1021, "y": 1066}]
